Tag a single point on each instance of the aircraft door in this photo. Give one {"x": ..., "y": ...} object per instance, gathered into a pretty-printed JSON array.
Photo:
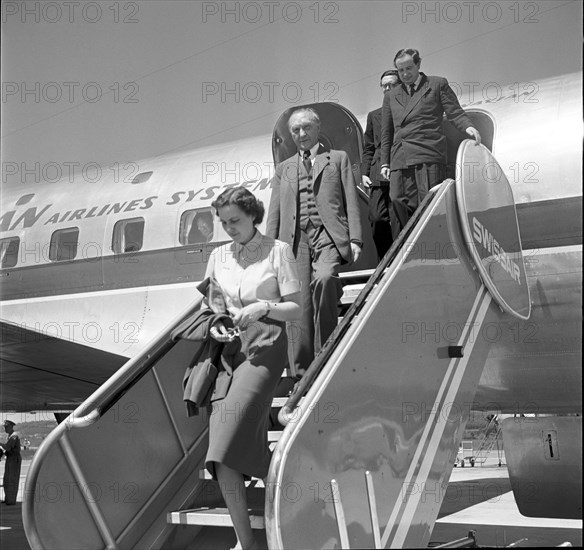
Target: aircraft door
[{"x": 339, "y": 129}]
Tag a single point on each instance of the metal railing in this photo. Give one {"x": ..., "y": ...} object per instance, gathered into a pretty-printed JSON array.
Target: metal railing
[{"x": 86, "y": 415}]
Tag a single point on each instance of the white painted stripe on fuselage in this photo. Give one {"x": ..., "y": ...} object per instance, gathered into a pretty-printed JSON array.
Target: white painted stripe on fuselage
[{"x": 99, "y": 293}]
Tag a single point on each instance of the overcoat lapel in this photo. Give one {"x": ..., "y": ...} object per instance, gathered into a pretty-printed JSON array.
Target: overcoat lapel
[
  {"x": 415, "y": 99},
  {"x": 402, "y": 96},
  {"x": 323, "y": 157}
]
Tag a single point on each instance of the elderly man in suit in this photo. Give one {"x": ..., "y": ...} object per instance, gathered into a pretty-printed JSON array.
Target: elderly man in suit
[
  {"x": 412, "y": 134},
  {"x": 314, "y": 207},
  {"x": 381, "y": 214}
]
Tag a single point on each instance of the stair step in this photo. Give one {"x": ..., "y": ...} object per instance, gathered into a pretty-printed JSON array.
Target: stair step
[
  {"x": 256, "y": 482},
  {"x": 353, "y": 283},
  {"x": 350, "y": 293},
  {"x": 274, "y": 435},
  {"x": 279, "y": 401},
  {"x": 362, "y": 275},
  {"x": 213, "y": 516}
]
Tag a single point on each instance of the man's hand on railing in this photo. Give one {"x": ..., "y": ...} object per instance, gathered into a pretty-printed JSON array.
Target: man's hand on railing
[{"x": 474, "y": 133}]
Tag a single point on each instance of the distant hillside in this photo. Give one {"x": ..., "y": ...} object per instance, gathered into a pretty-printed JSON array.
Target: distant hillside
[{"x": 32, "y": 434}]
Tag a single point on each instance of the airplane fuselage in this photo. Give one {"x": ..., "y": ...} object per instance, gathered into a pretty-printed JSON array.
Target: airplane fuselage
[{"x": 106, "y": 264}]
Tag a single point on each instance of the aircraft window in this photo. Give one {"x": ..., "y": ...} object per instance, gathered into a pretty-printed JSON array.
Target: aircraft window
[
  {"x": 9, "y": 251},
  {"x": 142, "y": 177},
  {"x": 128, "y": 235},
  {"x": 197, "y": 226},
  {"x": 64, "y": 244}
]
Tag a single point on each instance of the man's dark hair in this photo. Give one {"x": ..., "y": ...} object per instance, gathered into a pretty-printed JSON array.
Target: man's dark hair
[
  {"x": 408, "y": 51},
  {"x": 389, "y": 72},
  {"x": 244, "y": 199}
]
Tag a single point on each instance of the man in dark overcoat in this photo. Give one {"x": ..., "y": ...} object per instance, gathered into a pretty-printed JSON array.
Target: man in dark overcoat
[{"x": 413, "y": 144}]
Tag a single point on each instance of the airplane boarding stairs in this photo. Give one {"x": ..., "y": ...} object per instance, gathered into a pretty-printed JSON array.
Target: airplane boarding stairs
[{"x": 371, "y": 432}]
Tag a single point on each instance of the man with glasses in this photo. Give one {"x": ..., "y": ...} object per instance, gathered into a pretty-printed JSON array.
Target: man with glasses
[{"x": 381, "y": 214}]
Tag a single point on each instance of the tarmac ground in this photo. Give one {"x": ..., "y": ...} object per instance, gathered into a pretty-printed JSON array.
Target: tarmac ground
[{"x": 477, "y": 499}]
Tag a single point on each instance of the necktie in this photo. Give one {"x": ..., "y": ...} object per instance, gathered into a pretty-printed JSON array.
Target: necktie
[
  {"x": 306, "y": 161},
  {"x": 412, "y": 89}
]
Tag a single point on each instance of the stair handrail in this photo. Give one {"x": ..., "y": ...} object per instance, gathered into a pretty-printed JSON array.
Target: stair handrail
[
  {"x": 486, "y": 442},
  {"x": 132, "y": 371},
  {"x": 96, "y": 405}
]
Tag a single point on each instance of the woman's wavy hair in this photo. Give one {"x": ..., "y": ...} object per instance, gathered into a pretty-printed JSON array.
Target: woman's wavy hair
[{"x": 244, "y": 199}]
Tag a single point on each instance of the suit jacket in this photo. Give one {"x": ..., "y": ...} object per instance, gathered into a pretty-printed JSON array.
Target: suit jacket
[
  {"x": 335, "y": 195},
  {"x": 411, "y": 126},
  {"x": 370, "y": 164}
]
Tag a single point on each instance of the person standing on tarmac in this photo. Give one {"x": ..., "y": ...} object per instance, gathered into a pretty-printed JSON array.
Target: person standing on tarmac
[{"x": 13, "y": 463}]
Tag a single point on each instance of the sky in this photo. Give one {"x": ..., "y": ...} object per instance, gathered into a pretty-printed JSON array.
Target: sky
[{"x": 116, "y": 81}]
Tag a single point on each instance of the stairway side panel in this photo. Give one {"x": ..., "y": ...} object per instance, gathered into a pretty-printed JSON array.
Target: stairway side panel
[
  {"x": 387, "y": 400},
  {"x": 126, "y": 458},
  {"x": 56, "y": 494}
]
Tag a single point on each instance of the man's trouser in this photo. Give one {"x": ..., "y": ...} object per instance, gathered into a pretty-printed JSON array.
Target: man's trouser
[
  {"x": 408, "y": 187},
  {"x": 318, "y": 264},
  {"x": 382, "y": 218}
]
